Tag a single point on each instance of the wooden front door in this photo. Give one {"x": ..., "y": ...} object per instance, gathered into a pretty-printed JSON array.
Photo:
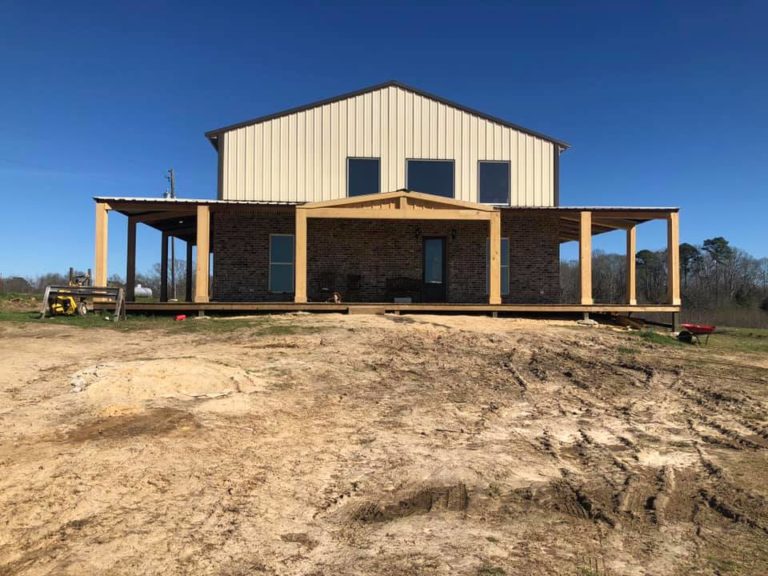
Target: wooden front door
[{"x": 434, "y": 285}]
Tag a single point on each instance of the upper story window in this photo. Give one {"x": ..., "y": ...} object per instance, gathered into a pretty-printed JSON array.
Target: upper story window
[
  {"x": 430, "y": 176},
  {"x": 494, "y": 182},
  {"x": 363, "y": 176}
]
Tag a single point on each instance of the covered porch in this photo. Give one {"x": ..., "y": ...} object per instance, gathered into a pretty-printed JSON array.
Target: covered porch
[
  {"x": 194, "y": 222},
  {"x": 435, "y": 272}
]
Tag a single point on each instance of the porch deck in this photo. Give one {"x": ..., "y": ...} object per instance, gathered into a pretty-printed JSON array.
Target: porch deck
[{"x": 384, "y": 307}]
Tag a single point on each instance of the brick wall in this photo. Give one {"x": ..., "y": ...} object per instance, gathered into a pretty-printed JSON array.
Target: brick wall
[
  {"x": 379, "y": 249},
  {"x": 534, "y": 256},
  {"x": 341, "y": 252},
  {"x": 241, "y": 251}
]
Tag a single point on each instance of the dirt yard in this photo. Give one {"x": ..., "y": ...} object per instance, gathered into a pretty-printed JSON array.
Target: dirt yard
[{"x": 355, "y": 445}]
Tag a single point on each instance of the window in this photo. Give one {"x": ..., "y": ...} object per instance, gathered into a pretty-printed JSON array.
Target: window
[
  {"x": 494, "y": 182},
  {"x": 281, "y": 263},
  {"x": 504, "y": 266},
  {"x": 363, "y": 176},
  {"x": 430, "y": 176}
]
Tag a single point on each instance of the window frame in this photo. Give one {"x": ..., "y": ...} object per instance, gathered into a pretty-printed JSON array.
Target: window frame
[
  {"x": 453, "y": 174},
  {"x": 378, "y": 159},
  {"x": 509, "y": 182},
  {"x": 292, "y": 264},
  {"x": 504, "y": 292}
]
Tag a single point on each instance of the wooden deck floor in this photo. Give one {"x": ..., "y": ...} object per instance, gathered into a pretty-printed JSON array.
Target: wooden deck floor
[{"x": 383, "y": 307}]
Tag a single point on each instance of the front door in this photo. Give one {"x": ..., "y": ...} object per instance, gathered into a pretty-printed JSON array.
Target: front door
[{"x": 434, "y": 281}]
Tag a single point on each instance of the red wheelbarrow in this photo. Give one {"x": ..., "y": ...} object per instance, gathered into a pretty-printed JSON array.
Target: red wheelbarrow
[{"x": 691, "y": 333}]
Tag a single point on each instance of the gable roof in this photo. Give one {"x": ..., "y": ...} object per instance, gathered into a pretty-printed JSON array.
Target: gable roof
[
  {"x": 213, "y": 135},
  {"x": 421, "y": 200}
]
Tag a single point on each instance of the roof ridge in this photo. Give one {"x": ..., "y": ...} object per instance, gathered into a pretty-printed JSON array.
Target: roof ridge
[{"x": 212, "y": 135}]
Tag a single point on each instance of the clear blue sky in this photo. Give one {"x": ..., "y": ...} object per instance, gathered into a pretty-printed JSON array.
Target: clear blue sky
[{"x": 665, "y": 103}]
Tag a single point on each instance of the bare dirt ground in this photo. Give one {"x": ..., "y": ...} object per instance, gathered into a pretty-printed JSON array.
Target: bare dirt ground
[{"x": 341, "y": 445}]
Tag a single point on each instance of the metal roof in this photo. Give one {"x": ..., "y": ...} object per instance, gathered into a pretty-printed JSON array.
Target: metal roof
[
  {"x": 212, "y": 135},
  {"x": 171, "y": 201}
]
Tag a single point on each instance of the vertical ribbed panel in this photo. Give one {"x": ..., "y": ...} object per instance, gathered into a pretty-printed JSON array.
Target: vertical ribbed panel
[{"x": 303, "y": 156}]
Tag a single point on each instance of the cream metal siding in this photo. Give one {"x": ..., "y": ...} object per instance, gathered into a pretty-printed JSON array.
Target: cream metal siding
[{"x": 303, "y": 156}]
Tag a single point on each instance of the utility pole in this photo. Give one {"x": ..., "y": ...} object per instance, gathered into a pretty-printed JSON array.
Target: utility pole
[{"x": 171, "y": 194}]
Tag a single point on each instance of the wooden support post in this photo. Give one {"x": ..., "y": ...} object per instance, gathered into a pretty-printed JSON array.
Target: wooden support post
[
  {"x": 673, "y": 258},
  {"x": 494, "y": 296},
  {"x": 164, "y": 268},
  {"x": 585, "y": 257},
  {"x": 202, "y": 272},
  {"x": 300, "y": 261},
  {"x": 100, "y": 260},
  {"x": 188, "y": 278},
  {"x": 130, "y": 261},
  {"x": 631, "y": 266}
]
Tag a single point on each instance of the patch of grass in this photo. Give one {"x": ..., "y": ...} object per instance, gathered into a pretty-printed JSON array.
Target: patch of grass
[
  {"x": 626, "y": 350},
  {"x": 747, "y": 340},
  {"x": 656, "y": 338},
  {"x": 10, "y": 316},
  {"x": 259, "y": 325},
  {"x": 491, "y": 571}
]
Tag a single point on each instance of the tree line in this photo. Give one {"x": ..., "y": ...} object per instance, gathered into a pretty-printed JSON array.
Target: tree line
[
  {"x": 713, "y": 276},
  {"x": 151, "y": 280}
]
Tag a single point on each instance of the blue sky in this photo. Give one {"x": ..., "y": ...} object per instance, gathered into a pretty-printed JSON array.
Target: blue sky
[{"x": 664, "y": 103}]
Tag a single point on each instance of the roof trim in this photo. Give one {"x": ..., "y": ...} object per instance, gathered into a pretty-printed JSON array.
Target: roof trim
[
  {"x": 355, "y": 201},
  {"x": 213, "y": 135},
  {"x": 420, "y": 195},
  {"x": 189, "y": 201}
]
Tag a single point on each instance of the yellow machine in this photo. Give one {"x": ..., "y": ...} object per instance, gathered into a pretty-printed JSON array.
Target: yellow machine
[
  {"x": 62, "y": 302},
  {"x": 78, "y": 296},
  {"x": 65, "y": 304}
]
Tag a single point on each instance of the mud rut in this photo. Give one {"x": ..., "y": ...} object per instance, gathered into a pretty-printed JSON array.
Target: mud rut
[{"x": 420, "y": 448}]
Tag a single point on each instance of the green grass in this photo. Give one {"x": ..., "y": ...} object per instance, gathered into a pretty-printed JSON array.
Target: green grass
[
  {"x": 491, "y": 571},
  {"x": 746, "y": 340},
  {"x": 658, "y": 338},
  {"x": 727, "y": 340},
  {"x": 626, "y": 350},
  {"x": 584, "y": 571},
  {"x": 258, "y": 325}
]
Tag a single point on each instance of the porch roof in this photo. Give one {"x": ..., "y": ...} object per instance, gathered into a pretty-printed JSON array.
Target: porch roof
[{"x": 177, "y": 216}]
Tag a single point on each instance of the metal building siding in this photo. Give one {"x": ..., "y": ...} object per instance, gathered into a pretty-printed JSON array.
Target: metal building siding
[{"x": 303, "y": 156}]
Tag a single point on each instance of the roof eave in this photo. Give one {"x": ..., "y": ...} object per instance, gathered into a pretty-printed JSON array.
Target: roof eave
[{"x": 213, "y": 134}]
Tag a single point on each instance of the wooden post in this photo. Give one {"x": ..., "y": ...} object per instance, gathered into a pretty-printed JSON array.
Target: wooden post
[
  {"x": 673, "y": 258},
  {"x": 130, "y": 261},
  {"x": 188, "y": 283},
  {"x": 100, "y": 260},
  {"x": 631, "y": 266},
  {"x": 585, "y": 257},
  {"x": 202, "y": 272},
  {"x": 494, "y": 296},
  {"x": 164, "y": 268},
  {"x": 300, "y": 260}
]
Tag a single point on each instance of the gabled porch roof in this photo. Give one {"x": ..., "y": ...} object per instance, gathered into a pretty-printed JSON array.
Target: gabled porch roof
[{"x": 401, "y": 205}]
